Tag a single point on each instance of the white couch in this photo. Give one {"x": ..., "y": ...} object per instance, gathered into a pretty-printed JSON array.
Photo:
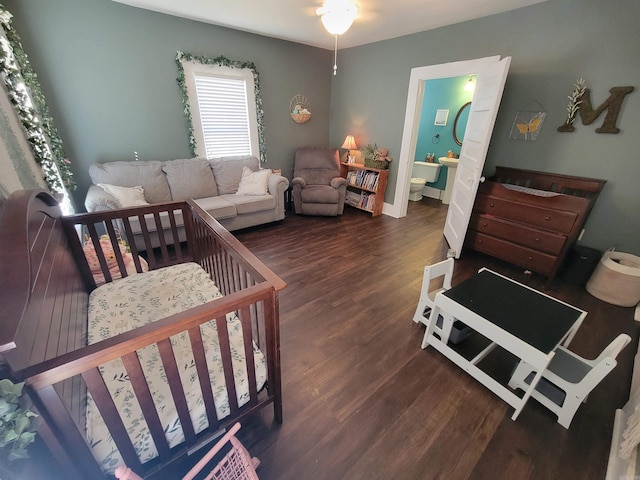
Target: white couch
[{"x": 213, "y": 184}]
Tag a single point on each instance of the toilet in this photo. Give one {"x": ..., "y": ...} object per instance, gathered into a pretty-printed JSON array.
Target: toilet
[{"x": 422, "y": 173}]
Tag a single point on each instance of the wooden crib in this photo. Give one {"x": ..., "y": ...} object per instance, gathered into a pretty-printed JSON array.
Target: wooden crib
[{"x": 46, "y": 282}]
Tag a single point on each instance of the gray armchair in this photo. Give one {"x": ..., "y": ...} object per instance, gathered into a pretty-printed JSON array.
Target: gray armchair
[{"x": 317, "y": 187}]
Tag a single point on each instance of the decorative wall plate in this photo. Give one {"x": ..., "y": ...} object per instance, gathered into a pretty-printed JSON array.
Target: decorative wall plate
[{"x": 300, "y": 109}]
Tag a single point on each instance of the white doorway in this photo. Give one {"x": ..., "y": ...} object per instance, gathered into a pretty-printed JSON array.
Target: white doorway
[{"x": 491, "y": 75}]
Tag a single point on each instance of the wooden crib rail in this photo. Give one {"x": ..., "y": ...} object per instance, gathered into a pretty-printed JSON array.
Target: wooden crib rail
[
  {"x": 41, "y": 378},
  {"x": 231, "y": 265}
]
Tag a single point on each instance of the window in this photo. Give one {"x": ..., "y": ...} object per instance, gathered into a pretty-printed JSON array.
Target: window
[{"x": 222, "y": 106}]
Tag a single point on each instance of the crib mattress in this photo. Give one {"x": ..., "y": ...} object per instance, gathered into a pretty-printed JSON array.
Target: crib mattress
[{"x": 136, "y": 300}]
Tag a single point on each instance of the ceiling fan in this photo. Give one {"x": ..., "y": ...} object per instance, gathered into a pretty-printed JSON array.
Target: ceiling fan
[{"x": 337, "y": 17}]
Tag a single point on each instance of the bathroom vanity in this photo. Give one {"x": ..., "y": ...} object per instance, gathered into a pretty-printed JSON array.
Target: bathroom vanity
[{"x": 529, "y": 218}]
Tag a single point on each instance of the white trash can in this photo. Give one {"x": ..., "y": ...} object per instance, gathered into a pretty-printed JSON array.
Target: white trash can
[{"x": 616, "y": 279}]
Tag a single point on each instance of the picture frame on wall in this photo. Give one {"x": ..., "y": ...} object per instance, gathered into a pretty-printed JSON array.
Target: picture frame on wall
[
  {"x": 441, "y": 118},
  {"x": 527, "y": 125}
]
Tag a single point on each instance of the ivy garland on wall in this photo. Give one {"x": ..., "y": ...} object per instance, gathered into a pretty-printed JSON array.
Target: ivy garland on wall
[
  {"x": 223, "y": 62},
  {"x": 26, "y": 95}
]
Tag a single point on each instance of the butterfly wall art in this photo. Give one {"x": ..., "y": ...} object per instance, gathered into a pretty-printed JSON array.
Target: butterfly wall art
[{"x": 527, "y": 125}]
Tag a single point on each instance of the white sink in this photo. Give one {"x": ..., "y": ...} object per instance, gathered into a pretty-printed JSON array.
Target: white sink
[
  {"x": 449, "y": 162},
  {"x": 452, "y": 166}
]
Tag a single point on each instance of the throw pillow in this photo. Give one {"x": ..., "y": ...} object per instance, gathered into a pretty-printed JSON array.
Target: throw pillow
[
  {"x": 254, "y": 183},
  {"x": 126, "y": 196}
]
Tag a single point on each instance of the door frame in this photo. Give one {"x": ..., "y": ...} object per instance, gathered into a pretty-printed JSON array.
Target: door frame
[{"x": 419, "y": 76}]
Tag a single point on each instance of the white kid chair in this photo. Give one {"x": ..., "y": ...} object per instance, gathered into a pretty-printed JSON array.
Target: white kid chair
[
  {"x": 427, "y": 297},
  {"x": 569, "y": 378}
]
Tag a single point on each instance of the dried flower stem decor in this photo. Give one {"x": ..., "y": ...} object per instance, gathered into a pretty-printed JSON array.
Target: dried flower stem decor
[{"x": 575, "y": 99}]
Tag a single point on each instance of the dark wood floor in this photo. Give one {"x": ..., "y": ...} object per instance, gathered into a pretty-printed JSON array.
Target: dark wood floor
[{"x": 362, "y": 400}]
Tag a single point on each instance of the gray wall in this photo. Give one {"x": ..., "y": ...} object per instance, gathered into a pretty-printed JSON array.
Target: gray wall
[
  {"x": 552, "y": 44},
  {"x": 109, "y": 74}
]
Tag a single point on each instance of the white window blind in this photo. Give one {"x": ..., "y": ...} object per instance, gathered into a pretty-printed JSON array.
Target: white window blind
[{"x": 224, "y": 115}]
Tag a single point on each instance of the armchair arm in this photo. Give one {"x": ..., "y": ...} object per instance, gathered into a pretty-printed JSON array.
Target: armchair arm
[
  {"x": 338, "y": 182},
  {"x": 97, "y": 199},
  {"x": 277, "y": 184},
  {"x": 299, "y": 182}
]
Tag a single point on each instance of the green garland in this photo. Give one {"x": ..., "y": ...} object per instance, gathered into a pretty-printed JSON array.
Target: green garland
[
  {"x": 223, "y": 62},
  {"x": 26, "y": 95}
]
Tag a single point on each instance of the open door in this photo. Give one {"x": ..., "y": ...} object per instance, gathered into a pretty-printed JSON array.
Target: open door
[{"x": 482, "y": 117}]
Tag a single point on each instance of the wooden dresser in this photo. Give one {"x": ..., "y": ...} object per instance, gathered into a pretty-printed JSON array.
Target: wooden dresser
[{"x": 531, "y": 218}]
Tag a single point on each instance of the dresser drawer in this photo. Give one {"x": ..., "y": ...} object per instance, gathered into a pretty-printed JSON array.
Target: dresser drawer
[
  {"x": 555, "y": 220},
  {"x": 518, "y": 233},
  {"x": 523, "y": 256}
]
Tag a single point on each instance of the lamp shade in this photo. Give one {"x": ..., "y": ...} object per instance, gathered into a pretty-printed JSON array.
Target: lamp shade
[
  {"x": 337, "y": 15},
  {"x": 349, "y": 143}
]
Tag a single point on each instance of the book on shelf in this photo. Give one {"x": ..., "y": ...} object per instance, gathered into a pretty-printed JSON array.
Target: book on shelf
[{"x": 363, "y": 179}]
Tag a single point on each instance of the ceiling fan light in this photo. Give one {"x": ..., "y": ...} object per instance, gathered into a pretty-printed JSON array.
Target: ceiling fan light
[{"x": 337, "y": 15}]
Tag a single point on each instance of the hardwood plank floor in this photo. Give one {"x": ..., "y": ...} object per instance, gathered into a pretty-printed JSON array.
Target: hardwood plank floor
[{"x": 362, "y": 400}]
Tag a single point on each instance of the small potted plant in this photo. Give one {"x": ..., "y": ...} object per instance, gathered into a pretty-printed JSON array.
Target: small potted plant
[{"x": 17, "y": 425}]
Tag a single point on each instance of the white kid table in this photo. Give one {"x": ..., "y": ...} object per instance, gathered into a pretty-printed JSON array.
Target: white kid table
[{"x": 523, "y": 321}]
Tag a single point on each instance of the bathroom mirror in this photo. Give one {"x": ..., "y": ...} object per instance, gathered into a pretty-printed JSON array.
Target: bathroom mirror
[{"x": 456, "y": 136}]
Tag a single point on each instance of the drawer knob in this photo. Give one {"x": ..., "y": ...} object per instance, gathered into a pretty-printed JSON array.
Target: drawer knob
[
  {"x": 491, "y": 205},
  {"x": 479, "y": 241},
  {"x": 484, "y": 224},
  {"x": 537, "y": 239},
  {"x": 530, "y": 258},
  {"x": 547, "y": 218}
]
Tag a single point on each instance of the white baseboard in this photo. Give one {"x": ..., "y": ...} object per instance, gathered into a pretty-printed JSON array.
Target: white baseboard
[{"x": 432, "y": 193}]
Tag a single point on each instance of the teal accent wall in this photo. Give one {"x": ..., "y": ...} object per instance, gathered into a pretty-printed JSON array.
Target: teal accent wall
[
  {"x": 552, "y": 44},
  {"x": 109, "y": 75},
  {"x": 442, "y": 94}
]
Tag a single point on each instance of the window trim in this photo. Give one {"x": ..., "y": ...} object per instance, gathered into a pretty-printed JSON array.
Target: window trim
[{"x": 188, "y": 65}]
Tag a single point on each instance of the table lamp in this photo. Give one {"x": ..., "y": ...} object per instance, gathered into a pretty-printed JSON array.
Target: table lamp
[{"x": 349, "y": 144}]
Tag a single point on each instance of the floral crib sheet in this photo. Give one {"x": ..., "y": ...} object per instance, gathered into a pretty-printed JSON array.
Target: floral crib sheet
[{"x": 136, "y": 300}]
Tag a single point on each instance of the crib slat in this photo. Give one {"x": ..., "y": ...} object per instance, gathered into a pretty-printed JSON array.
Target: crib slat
[
  {"x": 147, "y": 242},
  {"x": 95, "y": 239},
  {"x": 177, "y": 392},
  {"x": 109, "y": 412},
  {"x": 200, "y": 357},
  {"x": 174, "y": 234},
  {"x": 227, "y": 363},
  {"x": 247, "y": 334},
  {"x": 113, "y": 236},
  {"x": 143, "y": 394},
  {"x": 160, "y": 233},
  {"x": 126, "y": 222}
]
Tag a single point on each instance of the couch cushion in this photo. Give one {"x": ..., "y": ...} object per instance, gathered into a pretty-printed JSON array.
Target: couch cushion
[
  {"x": 190, "y": 178},
  {"x": 320, "y": 194},
  {"x": 218, "y": 207},
  {"x": 251, "y": 203},
  {"x": 228, "y": 171},
  {"x": 149, "y": 174}
]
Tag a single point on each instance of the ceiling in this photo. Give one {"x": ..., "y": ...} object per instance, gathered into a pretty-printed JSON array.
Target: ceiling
[{"x": 296, "y": 21}]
